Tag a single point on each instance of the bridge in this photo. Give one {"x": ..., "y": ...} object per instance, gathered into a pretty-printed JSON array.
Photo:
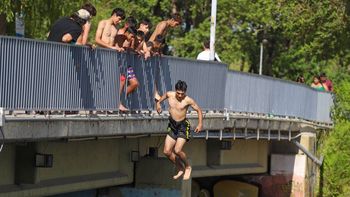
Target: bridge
[{"x": 256, "y": 129}]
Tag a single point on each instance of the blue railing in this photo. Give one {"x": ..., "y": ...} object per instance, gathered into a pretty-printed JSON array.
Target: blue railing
[
  {"x": 39, "y": 75},
  {"x": 253, "y": 93}
]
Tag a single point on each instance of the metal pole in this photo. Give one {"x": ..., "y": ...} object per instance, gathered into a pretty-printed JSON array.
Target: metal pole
[
  {"x": 261, "y": 57},
  {"x": 212, "y": 29},
  {"x": 309, "y": 154}
]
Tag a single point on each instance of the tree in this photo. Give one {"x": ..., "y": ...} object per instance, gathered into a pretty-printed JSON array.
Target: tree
[{"x": 303, "y": 36}]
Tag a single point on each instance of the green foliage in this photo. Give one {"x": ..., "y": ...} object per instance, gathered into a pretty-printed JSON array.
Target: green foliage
[
  {"x": 342, "y": 105},
  {"x": 337, "y": 159},
  {"x": 6, "y": 7},
  {"x": 304, "y": 37},
  {"x": 336, "y": 173}
]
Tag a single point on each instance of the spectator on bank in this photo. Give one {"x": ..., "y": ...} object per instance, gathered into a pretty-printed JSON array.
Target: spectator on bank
[
  {"x": 328, "y": 83},
  {"x": 161, "y": 29},
  {"x": 318, "y": 85},
  {"x": 83, "y": 38},
  {"x": 205, "y": 54},
  {"x": 300, "y": 79},
  {"x": 107, "y": 30},
  {"x": 68, "y": 29}
]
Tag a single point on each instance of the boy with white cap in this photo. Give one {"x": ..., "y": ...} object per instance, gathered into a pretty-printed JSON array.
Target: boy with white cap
[{"x": 68, "y": 29}]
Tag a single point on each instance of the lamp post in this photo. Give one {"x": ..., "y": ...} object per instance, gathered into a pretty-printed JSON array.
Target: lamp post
[
  {"x": 264, "y": 41},
  {"x": 212, "y": 29}
]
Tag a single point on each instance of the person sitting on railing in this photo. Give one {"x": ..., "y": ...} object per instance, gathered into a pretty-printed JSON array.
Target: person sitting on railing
[
  {"x": 126, "y": 41},
  {"x": 162, "y": 29},
  {"x": 107, "y": 30},
  {"x": 318, "y": 85},
  {"x": 83, "y": 38},
  {"x": 68, "y": 29}
]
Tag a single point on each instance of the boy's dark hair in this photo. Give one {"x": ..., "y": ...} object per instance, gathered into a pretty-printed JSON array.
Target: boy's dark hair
[
  {"x": 181, "y": 85},
  {"x": 140, "y": 34},
  {"x": 131, "y": 30},
  {"x": 119, "y": 12},
  {"x": 206, "y": 44},
  {"x": 146, "y": 21},
  {"x": 77, "y": 19},
  {"x": 90, "y": 8},
  {"x": 176, "y": 17},
  {"x": 131, "y": 21}
]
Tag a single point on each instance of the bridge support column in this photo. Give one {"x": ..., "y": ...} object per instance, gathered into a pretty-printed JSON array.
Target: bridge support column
[
  {"x": 293, "y": 167},
  {"x": 308, "y": 141}
]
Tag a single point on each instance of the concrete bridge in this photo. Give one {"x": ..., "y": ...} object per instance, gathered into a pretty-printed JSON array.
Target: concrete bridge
[{"x": 257, "y": 130}]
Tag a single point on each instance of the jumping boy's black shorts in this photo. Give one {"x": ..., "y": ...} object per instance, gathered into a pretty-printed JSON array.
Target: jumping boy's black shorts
[{"x": 179, "y": 129}]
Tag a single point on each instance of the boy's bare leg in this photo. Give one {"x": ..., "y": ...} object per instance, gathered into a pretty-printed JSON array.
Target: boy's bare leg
[
  {"x": 178, "y": 151},
  {"x": 169, "y": 152},
  {"x": 121, "y": 106},
  {"x": 168, "y": 148},
  {"x": 133, "y": 84},
  {"x": 179, "y": 167}
]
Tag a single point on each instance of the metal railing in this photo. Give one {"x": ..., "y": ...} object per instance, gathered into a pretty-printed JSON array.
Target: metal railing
[
  {"x": 40, "y": 75},
  {"x": 247, "y": 92}
]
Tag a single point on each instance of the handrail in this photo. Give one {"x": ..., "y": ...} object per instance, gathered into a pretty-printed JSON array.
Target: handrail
[{"x": 39, "y": 75}]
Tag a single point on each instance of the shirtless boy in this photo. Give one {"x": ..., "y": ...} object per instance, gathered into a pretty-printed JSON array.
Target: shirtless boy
[
  {"x": 128, "y": 42},
  {"x": 162, "y": 29},
  {"x": 160, "y": 32},
  {"x": 179, "y": 127},
  {"x": 107, "y": 30}
]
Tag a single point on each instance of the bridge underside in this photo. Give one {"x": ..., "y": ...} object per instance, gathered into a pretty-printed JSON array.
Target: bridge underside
[
  {"x": 97, "y": 151},
  {"x": 215, "y": 125}
]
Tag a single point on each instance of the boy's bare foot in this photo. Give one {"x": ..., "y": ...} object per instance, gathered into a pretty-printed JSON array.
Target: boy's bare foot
[
  {"x": 156, "y": 97},
  {"x": 178, "y": 174},
  {"x": 187, "y": 174},
  {"x": 122, "y": 108}
]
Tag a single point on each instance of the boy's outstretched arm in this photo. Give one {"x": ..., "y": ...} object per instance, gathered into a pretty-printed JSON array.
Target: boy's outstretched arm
[{"x": 159, "y": 108}]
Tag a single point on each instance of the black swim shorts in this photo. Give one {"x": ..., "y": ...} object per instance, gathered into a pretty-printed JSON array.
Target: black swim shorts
[{"x": 179, "y": 129}]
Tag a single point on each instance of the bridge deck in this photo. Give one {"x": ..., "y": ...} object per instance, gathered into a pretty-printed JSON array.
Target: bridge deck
[{"x": 221, "y": 125}]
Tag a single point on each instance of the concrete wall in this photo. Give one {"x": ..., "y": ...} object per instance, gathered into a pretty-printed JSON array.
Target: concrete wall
[
  {"x": 246, "y": 151},
  {"x": 88, "y": 157},
  {"x": 196, "y": 151},
  {"x": 76, "y": 166},
  {"x": 7, "y": 165},
  {"x": 88, "y": 165}
]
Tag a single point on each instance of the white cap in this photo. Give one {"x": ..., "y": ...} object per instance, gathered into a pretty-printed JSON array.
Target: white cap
[{"x": 84, "y": 14}]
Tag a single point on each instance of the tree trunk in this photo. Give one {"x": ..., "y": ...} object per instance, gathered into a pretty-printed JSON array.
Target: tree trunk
[
  {"x": 156, "y": 9},
  {"x": 241, "y": 68},
  {"x": 3, "y": 24},
  {"x": 174, "y": 7}
]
